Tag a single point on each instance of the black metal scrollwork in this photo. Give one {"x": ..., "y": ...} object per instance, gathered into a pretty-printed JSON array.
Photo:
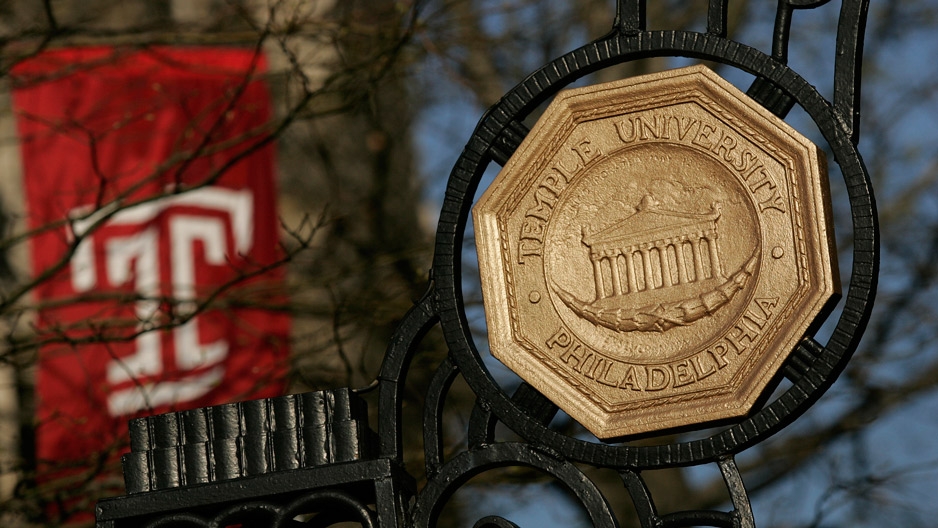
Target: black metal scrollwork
[
  {"x": 340, "y": 507},
  {"x": 385, "y": 498}
]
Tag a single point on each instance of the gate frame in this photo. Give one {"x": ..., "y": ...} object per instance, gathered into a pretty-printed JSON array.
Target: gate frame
[{"x": 373, "y": 487}]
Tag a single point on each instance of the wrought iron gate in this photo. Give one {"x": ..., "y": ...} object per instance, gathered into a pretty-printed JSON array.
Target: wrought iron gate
[{"x": 265, "y": 462}]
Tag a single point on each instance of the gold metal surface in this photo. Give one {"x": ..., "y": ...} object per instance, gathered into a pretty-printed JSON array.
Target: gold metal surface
[{"x": 654, "y": 250}]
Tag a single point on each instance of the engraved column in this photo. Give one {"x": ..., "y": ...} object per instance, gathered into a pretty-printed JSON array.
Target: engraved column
[
  {"x": 665, "y": 266},
  {"x": 646, "y": 265},
  {"x": 598, "y": 277},
  {"x": 698, "y": 264},
  {"x": 630, "y": 269},
  {"x": 681, "y": 264},
  {"x": 616, "y": 281},
  {"x": 714, "y": 256}
]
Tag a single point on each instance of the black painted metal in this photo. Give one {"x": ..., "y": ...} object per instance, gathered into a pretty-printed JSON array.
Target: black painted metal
[{"x": 264, "y": 463}]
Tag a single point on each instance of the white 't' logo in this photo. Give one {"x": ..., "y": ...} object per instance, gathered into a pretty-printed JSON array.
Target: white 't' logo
[{"x": 137, "y": 256}]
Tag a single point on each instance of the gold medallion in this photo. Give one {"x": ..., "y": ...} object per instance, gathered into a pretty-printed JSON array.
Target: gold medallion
[{"x": 654, "y": 250}]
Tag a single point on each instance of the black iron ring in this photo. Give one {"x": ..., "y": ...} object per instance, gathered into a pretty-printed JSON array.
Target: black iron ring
[
  {"x": 441, "y": 487},
  {"x": 616, "y": 48}
]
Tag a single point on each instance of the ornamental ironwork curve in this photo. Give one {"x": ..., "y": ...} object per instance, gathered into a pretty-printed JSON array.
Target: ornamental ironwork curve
[{"x": 315, "y": 456}]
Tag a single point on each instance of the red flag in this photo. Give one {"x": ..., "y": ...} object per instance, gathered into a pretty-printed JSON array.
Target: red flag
[{"x": 149, "y": 184}]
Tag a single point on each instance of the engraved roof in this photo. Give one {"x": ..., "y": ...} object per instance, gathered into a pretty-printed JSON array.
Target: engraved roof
[{"x": 649, "y": 223}]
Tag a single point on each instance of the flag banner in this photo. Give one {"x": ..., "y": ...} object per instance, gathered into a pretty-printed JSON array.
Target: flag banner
[{"x": 149, "y": 181}]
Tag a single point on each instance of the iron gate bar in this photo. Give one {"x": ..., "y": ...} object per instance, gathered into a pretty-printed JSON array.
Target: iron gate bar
[{"x": 376, "y": 489}]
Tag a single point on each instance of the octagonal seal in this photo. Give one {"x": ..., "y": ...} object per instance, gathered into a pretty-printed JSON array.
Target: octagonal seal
[{"x": 654, "y": 250}]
